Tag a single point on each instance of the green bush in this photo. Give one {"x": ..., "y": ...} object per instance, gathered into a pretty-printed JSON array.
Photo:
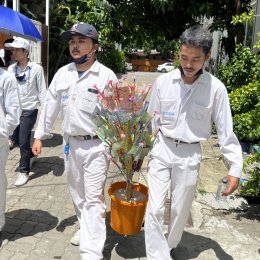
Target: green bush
[
  {"x": 245, "y": 104},
  {"x": 242, "y": 69},
  {"x": 113, "y": 59},
  {"x": 245, "y": 98},
  {"x": 247, "y": 127},
  {"x": 251, "y": 186}
]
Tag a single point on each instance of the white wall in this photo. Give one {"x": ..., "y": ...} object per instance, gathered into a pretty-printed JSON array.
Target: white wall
[{"x": 35, "y": 47}]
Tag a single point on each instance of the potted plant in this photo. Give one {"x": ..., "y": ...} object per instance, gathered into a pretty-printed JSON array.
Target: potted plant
[{"x": 123, "y": 125}]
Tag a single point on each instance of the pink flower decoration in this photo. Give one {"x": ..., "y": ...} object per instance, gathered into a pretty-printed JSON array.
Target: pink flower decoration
[
  {"x": 141, "y": 144},
  {"x": 122, "y": 136}
]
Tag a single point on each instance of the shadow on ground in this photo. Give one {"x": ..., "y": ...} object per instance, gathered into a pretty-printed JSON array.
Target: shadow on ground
[
  {"x": 191, "y": 246},
  {"x": 132, "y": 247},
  {"x": 45, "y": 165},
  {"x": 70, "y": 221},
  {"x": 27, "y": 222},
  {"x": 125, "y": 246}
]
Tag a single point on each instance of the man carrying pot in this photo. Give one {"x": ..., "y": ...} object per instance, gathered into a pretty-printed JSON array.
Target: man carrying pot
[
  {"x": 72, "y": 92},
  {"x": 184, "y": 103}
]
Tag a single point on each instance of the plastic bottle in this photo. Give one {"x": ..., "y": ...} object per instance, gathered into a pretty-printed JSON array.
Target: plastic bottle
[{"x": 223, "y": 185}]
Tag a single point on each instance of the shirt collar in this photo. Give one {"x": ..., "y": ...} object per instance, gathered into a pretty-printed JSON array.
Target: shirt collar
[
  {"x": 176, "y": 75},
  {"x": 95, "y": 67}
]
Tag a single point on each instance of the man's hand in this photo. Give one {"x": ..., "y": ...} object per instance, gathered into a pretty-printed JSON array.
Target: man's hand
[
  {"x": 233, "y": 184},
  {"x": 37, "y": 147}
]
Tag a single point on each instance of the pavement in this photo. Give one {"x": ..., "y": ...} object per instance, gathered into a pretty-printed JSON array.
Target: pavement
[{"x": 40, "y": 218}]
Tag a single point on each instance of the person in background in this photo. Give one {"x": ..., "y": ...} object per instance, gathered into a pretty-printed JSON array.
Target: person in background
[
  {"x": 32, "y": 91},
  {"x": 72, "y": 92},
  {"x": 2, "y": 61},
  {"x": 8, "y": 55},
  {"x": 185, "y": 102},
  {"x": 10, "y": 112}
]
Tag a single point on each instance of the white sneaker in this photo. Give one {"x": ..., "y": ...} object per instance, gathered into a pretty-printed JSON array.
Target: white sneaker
[
  {"x": 21, "y": 179},
  {"x": 75, "y": 239}
]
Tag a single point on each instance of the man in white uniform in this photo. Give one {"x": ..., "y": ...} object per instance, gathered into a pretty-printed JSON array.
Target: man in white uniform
[
  {"x": 32, "y": 91},
  {"x": 184, "y": 103},
  {"x": 10, "y": 112},
  {"x": 72, "y": 92}
]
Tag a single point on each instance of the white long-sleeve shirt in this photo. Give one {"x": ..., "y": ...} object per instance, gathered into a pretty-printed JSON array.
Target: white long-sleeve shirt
[
  {"x": 10, "y": 109},
  {"x": 187, "y": 113},
  {"x": 74, "y": 97},
  {"x": 32, "y": 90}
]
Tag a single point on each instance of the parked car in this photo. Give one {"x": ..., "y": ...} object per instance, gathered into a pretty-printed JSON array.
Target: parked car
[
  {"x": 165, "y": 67},
  {"x": 128, "y": 66}
]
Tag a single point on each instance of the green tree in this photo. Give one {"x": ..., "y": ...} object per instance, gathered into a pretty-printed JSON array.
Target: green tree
[
  {"x": 149, "y": 19},
  {"x": 147, "y": 23}
]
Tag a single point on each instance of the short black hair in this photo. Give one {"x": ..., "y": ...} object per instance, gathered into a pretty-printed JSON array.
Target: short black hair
[
  {"x": 8, "y": 41},
  {"x": 196, "y": 36}
]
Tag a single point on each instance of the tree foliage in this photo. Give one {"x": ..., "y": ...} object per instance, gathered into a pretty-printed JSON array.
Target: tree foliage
[
  {"x": 149, "y": 19},
  {"x": 153, "y": 24}
]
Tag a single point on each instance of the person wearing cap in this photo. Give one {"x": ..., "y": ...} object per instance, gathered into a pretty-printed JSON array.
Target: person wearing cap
[
  {"x": 8, "y": 55},
  {"x": 72, "y": 92},
  {"x": 185, "y": 103},
  {"x": 10, "y": 111},
  {"x": 32, "y": 91}
]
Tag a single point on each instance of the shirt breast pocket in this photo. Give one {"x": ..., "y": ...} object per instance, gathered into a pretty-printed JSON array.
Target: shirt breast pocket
[
  {"x": 200, "y": 119},
  {"x": 88, "y": 102},
  {"x": 200, "y": 113}
]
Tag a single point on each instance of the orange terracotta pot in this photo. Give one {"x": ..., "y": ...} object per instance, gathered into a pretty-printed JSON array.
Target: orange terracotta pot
[{"x": 127, "y": 217}]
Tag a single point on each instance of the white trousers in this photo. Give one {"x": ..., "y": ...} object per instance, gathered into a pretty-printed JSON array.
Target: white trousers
[
  {"x": 177, "y": 166},
  {"x": 4, "y": 150},
  {"x": 86, "y": 167}
]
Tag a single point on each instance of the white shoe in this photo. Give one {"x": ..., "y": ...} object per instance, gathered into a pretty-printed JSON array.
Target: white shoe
[
  {"x": 75, "y": 239},
  {"x": 21, "y": 179}
]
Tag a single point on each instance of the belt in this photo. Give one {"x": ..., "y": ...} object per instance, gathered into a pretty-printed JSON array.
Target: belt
[
  {"x": 85, "y": 137},
  {"x": 176, "y": 141}
]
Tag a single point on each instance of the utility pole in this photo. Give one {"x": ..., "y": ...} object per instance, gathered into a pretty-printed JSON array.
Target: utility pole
[
  {"x": 256, "y": 24},
  {"x": 16, "y": 5},
  {"x": 47, "y": 21}
]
